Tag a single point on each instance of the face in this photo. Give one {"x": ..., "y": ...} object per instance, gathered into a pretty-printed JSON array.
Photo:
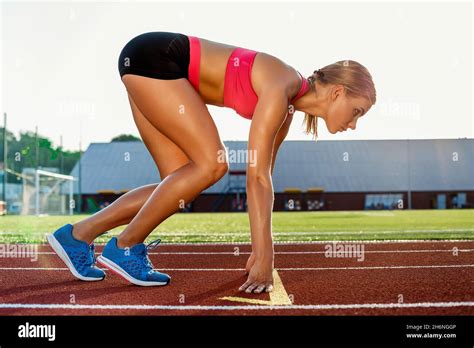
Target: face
[{"x": 343, "y": 111}]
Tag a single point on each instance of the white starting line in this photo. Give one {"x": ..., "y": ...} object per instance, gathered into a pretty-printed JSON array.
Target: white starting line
[
  {"x": 244, "y": 308},
  {"x": 242, "y": 269}
]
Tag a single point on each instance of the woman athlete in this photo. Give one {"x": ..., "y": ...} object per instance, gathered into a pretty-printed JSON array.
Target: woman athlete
[{"x": 169, "y": 78}]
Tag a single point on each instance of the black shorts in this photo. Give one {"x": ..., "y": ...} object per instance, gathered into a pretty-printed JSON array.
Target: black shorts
[{"x": 159, "y": 54}]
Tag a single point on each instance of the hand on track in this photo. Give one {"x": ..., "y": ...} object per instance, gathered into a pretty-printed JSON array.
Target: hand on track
[{"x": 260, "y": 277}]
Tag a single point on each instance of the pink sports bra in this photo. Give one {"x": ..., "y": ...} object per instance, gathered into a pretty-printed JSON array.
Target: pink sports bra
[{"x": 238, "y": 91}]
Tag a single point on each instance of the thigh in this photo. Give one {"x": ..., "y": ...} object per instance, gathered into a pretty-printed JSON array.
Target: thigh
[
  {"x": 166, "y": 154},
  {"x": 177, "y": 111}
]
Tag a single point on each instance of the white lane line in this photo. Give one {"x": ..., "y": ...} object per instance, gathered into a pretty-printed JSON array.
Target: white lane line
[
  {"x": 277, "y": 252},
  {"x": 286, "y": 243},
  {"x": 237, "y": 234},
  {"x": 233, "y": 308},
  {"x": 242, "y": 269},
  {"x": 369, "y": 267},
  {"x": 105, "y": 269}
]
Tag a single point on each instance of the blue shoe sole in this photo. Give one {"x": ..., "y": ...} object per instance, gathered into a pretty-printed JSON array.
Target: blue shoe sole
[
  {"x": 59, "y": 250},
  {"x": 122, "y": 273}
]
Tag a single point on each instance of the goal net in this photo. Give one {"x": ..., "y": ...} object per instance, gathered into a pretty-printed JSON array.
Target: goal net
[{"x": 46, "y": 193}]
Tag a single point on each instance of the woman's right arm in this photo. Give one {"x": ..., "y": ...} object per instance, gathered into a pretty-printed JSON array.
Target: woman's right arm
[{"x": 280, "y": 137}]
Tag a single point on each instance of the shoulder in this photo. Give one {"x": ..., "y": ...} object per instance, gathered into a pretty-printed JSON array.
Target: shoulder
[{"x": 270, "y": 72}]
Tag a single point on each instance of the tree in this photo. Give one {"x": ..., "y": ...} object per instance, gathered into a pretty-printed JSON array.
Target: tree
[
  {"x": 125, "y": 137},
  {"x": 22, "y": 153}
]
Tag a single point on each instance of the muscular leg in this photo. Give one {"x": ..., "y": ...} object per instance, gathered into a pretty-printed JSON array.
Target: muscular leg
[
  {"x": 184, "y": 119},
  {"x": 168, "y": 158},
  {"x": 119, "y": 213},
  {"x": 177, "y": 111}
]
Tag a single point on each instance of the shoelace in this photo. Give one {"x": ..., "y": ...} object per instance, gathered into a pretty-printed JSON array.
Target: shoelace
[
  {"x": 92, "y": 253},
  {"x": 153, "y": 244},
  {"x": 146, "y": 259}
]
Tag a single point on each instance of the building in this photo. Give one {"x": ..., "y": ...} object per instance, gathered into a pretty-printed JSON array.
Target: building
[{"x": 308, "y": 175}]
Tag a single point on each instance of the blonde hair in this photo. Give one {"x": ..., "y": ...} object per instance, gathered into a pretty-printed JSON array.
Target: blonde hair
[{"x": 352, "y": 75}]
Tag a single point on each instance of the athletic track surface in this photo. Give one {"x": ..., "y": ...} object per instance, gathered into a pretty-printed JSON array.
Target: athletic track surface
[{"x": 394, "y": 278}]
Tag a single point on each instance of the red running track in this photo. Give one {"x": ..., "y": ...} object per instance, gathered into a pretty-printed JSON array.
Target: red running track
[{"x": 392, "y": 278}]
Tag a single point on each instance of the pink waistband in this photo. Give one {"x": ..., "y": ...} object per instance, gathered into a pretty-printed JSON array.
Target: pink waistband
[{"x": 194, "y": 61}]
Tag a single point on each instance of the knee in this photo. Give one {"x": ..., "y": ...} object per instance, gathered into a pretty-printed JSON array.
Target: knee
[
  {"x": 219, "y": 170},
  {"x": 214, "y": 170}
]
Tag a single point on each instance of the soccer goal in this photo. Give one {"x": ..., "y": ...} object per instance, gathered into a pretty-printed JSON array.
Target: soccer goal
[{"x": 47, "y": 193}]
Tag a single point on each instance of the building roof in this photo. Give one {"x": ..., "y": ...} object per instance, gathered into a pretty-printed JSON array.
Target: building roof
[{"x": 336, "y": 166}]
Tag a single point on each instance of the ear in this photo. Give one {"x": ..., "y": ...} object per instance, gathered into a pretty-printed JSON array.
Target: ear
[{"x": 337, "y": 91}]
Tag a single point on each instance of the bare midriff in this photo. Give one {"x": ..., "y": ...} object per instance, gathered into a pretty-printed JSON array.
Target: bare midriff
[
  {"x": 213, "y": 64},
  {"x": 214, "y": 57}
]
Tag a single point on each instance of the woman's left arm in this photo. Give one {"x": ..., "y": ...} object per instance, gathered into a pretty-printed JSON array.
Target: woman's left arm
[{"x": 269, "y": 116}]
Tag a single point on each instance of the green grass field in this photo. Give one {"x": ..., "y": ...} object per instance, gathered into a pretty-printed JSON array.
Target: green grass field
[{"x": 287, "y": 226}]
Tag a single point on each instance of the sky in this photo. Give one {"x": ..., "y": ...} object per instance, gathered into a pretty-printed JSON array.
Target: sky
[{"x": 59, "y": 61}]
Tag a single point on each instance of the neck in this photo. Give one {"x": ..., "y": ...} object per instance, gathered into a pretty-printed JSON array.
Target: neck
[{"x": 313, "y": 103}]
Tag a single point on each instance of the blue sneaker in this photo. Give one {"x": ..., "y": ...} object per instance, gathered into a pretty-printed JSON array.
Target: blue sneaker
[
  {"x": 78, "y": 256},
  {"x": 133, "y": 263}
]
